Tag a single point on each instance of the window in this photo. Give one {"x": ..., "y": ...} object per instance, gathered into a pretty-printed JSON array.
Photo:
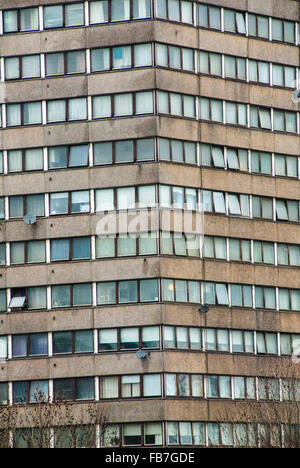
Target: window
[
  {"x": 64, "y": 110},
  {"x": 262, "y": 207},
  {"x": 59, "y": 16},
  {"x": 30, "y": 345},
  {"x": 174, "y": 10},
  {"x": 217, "y": 340},
  {"x": 241, "y": 295},
  {"x": 3, "y": 300},
  {"x": 235, "y": 68},
  {"x": 2, "y": 254},
  {"x": 132, "y": 434},
  {"x": 20, "y": 205},
  {"x": 177, "y": 151},
  {"x": 76, "y": 342},
  {"x": 25, "y": 19},
  {"x": 27, "y": 252},
  {"x": 261, "y": 162},
  {"x": 218, "y": 386},
  {"x": 260, "y": 118},
  {"x": 3, "y": 349},
  {"x": 288, "y": 254},
  {"x": 27, "y": 66},
  {"x": 211, "y": 109},
  {"x": 283, "y": 75},
  {"x": 236, "y": 114},
  {"x": 3, "y": 394},
  {"x": 70, "y": 249},
  {"x": 238, "y": 205},
  {"x": 98, "y": 11},
  {"x": 175, "y": 57},
  {"x": 215, "y": 247},
  {"x": 244, "y": 388},
  {"x": 285, "y": 121},
  {"x": 263, "y": 252},
  {"x": 184, "y": 385},
  {"x": 214, "y": 201},
  {"x": 286, "y": 166},
  {"x": 215, "y": 293},
  {"x": 258, "y": 26},
  {"x": 265, "y": 298},
  {"x": 29, "y": 113},
  {"x": 29, "y": 298},
  {"x": 234, "y": 21},
  {"x": 30, "y": 392},
  {"x": 128, "y": 291},
  {"x": 68, "y": 203},
  {"x": 287, "y": 210},
  {"x": 239, "y": 250},
  {"x": 283, "y": 31},
  {"x": 78, "y": 389},
  {"x": 242, "y": 341},
  {"x": 25, "y": 160},
  {"x": 259, "y": 72},
  {"x": 209, "y": 17},
  {"x": 71, "y": 295},
  {"x": 176, "y": 104},
  {"x": 63, "y": 63},
  {"x": 268, "y": 389},
  {"x": 210, "y": 63}
]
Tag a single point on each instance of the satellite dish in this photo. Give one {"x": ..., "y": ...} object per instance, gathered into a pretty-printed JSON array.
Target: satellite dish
[
  {"x": 29, "y": 219},
  {"x": 296, "y": 96},
  {"x": 204, "y": 308},
  {"x": 141, "y": 354}
]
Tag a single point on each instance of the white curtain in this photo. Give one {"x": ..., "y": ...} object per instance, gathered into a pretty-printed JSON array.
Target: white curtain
[
  {"x": 31, "y": 66},
  {"x": 37, "y": 298},
  {"x": 77, "y": 109},
  {"x": 147, "y": 195},
  {"x": 131, "y": 386},
  {"x": 12, "y": 68},
  {"x": 120, "y": 10},
  {"x": 162, "y": 55},
  {"x": 56, "y": 111},
  {"x": 3, "y": 347},
  {"x": 150, "y": 336},
  {"x": 10, "y": 20},
  {"x": 15, "y": 161},
  {"x": 105, "y": 247},
  {"x": 122, "y": 57},
  {"x": 197, "y": 386},
  {"x": 36, "y": 251},
  {"x": 154, "y": 432},
  {"x": 101, "y": 107},
  {"x": 152, "y": 385},
  {"x": 34, "y": 159},
  {"x": 176, "y": 104},
  {"x": 55, "y": 64},
  {"x": 104, "y": 199},
  {"x": 32, "y": 113},
  {"x": 123, "y": 104},
  {"x": 35, "y": 205},
  {"x": 29, "y": 19},
  {"x": 125, "y": 198},
  {"x": 98, "y": 12},
  {"x": 100, "y": 59},
  {"x": 13, "y": 114},
  {"x": 142, "y": 55},
  {"x": 109, "y": 387},
  {"x": 144, "y": 102},
  {"x": 108, "y": 337},
  {"x": 74, "y": 14}
]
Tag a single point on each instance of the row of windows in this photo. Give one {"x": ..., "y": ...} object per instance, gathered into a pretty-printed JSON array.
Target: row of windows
[
  {"x": 152, "y": 385},
  {"x": 145, "y": 150},
  {"x": 77, "y": 109},
  {"x": 148, "y": 337},
  {"x": 87, "y": 248},
  {"x": 252, "y": 251},
  {"x": 257, "y": 162},
  {"x": 149, "y": 196},
  {"x": 149, "y": 102},
  {"x": 192, "y": 13},
  {"x": 91, "y": 248},
  {"x": 149, "y": 290},
  {"x": 211, "y": 434},
  {"x": 253, "y": 71},
  {"x": 250, "y": 206},
  {"x": 141, "y": 55}
]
